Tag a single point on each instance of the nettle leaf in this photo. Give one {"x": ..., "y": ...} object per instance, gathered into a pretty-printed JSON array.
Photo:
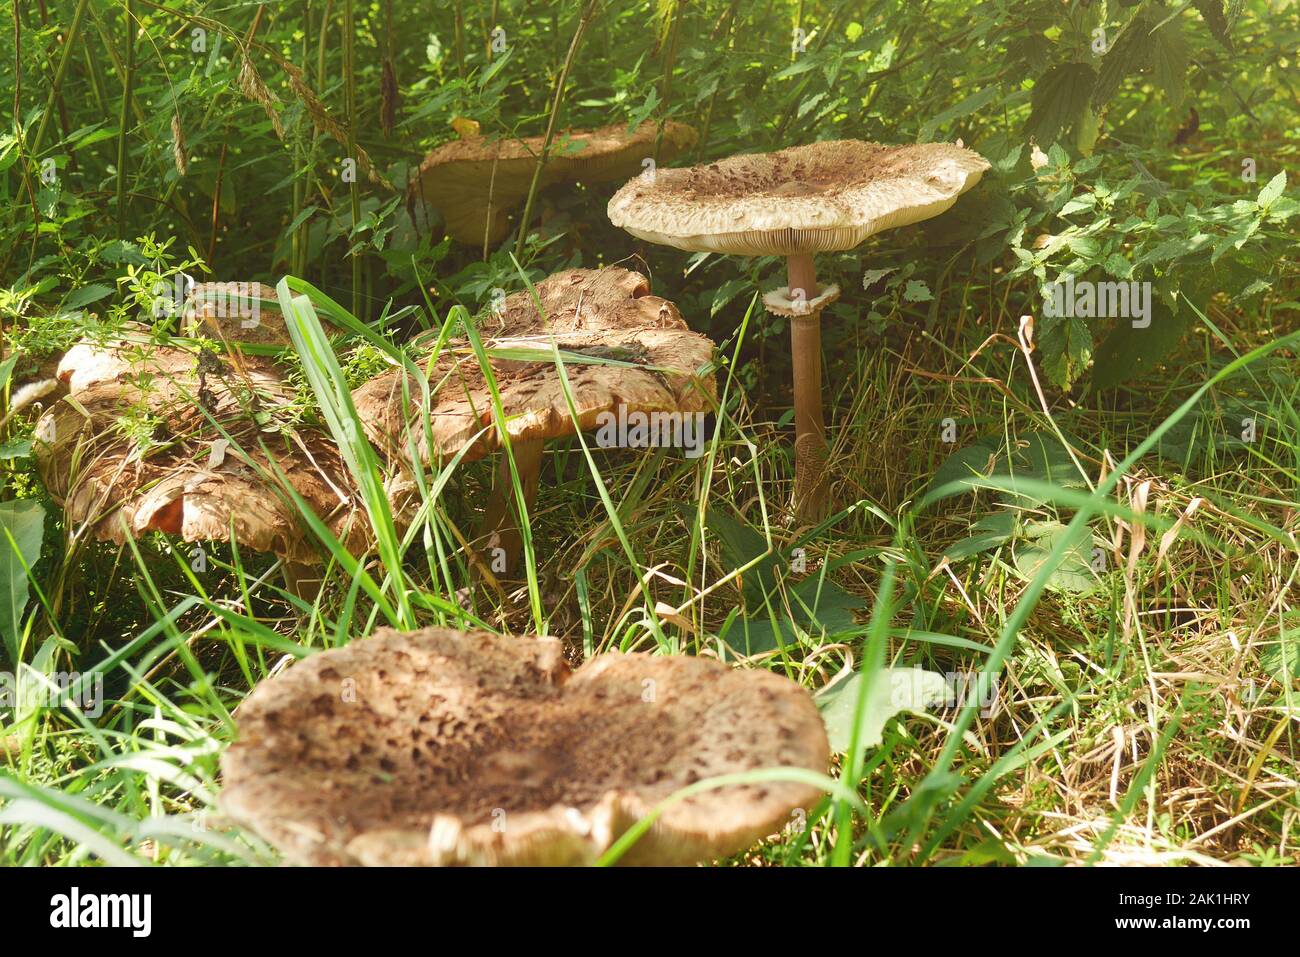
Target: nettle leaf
[
  {"x": 893, "y": 691},
  {"x": 917, "y": 291},
  {"x": 1127, "y": 353},
  {"x": 1064, "y": 347},
  {"x": 725, "y": 293},
  {"x": 1125, "y": 57},
  {"x": 22, "y": 526},
  {"x": 1272, "y": 190},
  {"x": 1039, "y": 539},
  {"x": 1169, "y": 61},
  {"x": 1059, "y": 100},
  {"x": 1215, "y": 19},
  {"x": 85, "y": 295}
]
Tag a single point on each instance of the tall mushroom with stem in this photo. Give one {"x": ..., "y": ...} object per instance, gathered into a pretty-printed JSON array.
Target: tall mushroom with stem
[
  {"x": 797, "y": 202},
  {"x": 626, "y": 353}
]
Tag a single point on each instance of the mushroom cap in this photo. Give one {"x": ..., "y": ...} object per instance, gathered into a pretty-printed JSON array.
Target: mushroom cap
[
  {"x": 818, "y": 198},
  {"x": 448, "y": 747},
  {"x": 605, "y": 314},
  {"x": 236, "y": 312},
  {"x": 246, "y": 312},
  {"x": 475, "y": 182},
  {"x": 193, "y": 482}
]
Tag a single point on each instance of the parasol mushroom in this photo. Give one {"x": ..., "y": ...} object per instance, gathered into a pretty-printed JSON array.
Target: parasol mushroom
[
  {"x": 476, "y": 182},
  {"x": 442, "y": 747},
  {"x": 206, "y": 471},
  {"x": 795, "y": 203},
  {"x": 641, "y": 360}
]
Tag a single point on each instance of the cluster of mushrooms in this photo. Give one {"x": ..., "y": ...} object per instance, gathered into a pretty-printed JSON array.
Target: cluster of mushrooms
[{"x": 441, "y": 747}]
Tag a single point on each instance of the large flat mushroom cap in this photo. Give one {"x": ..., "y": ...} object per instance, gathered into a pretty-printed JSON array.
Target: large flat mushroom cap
[
  {"x": 446, "y": 747},
  {"x": 209, "y": 473},
  {"x": 818, "y": 198},
  {"x": 604, "y": 315},
  {"x": 476, "y": 181},
  {"x": 611, "y": 153},
  {"x": 235, "y": 312}
]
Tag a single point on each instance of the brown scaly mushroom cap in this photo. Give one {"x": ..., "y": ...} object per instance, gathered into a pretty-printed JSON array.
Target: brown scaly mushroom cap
[
  {"x": 606, "y": 314},
  {"x": 245, "y": 312},
  {"x": 476, "y": 182},
  {"x": 194, "y": 482},
  {"x": 807, "y": 199},
  {"x": 441, "y": 747}
]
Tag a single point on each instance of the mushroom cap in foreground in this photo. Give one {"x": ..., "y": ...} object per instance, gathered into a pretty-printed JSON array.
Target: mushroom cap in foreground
[
  {"x": 822, "y": 197},
  {"x": 641, "y": 358},
  {"x": 475, "y": 182},
  {"x": 191, "y": 479},
  {"x": 443, "y": 747}
]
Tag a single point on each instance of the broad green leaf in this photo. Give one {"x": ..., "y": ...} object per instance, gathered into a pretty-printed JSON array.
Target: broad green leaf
[
  {"x": 1215, "y": 19},
  {"x": 87, "y": 294},
  {"x": 968, "y": 462},
  {"x": 1169, "y": 61},
  {"x": 893, "y": 691},
  {"x": 1075, "y": 572},
  {"x": 1272, "y": 190},
  {"x": 1065, "y": 346},
  {"x": 1059, "y": 100},
  {"x": 1127, "y": 353},
  {"x": 989, "y": 532}
]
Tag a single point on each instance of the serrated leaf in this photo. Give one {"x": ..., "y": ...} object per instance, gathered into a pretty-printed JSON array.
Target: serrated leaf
[
  {"x": 1169, "y": 61},
  {"x": 1064, "y": 346},
  {"x": 85, "y": 295},
  {"x": 1215, "y": 19},
  {"x": 1059, "y": 100},
  {"x": 917, "y": 291}
]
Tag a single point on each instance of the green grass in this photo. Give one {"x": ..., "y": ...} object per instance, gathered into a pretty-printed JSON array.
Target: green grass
[
  {"x": 1135, "y": 721},
  {"x": 1118, "y": 563}
]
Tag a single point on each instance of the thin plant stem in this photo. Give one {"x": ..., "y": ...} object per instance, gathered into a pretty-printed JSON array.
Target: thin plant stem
[
  {"x": 556, "y": 100},
  {"x": 61, "y": 70},
  {"x": 128, "y": 83},
  {"x": 349, "y": 113}
]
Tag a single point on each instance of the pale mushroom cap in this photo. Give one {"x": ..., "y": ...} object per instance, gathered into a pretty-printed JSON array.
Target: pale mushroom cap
[
  {"x": 447, "y": 747},
  {"x": 235, "y": 311},
  {"x": 807, "y": 199},
  {"x": 603, "y": 314},
  {"x": 475, "y": 182},
  {"x": 193, "y": 482}
]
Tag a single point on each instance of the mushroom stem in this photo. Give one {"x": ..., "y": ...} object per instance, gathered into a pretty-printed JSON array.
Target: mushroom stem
[
  {"x": 499, "y": 529},
  {"x": 803, "y": 275},
  {"x": 301, "y": 580},
  {"x": 811, "y": 483}
]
